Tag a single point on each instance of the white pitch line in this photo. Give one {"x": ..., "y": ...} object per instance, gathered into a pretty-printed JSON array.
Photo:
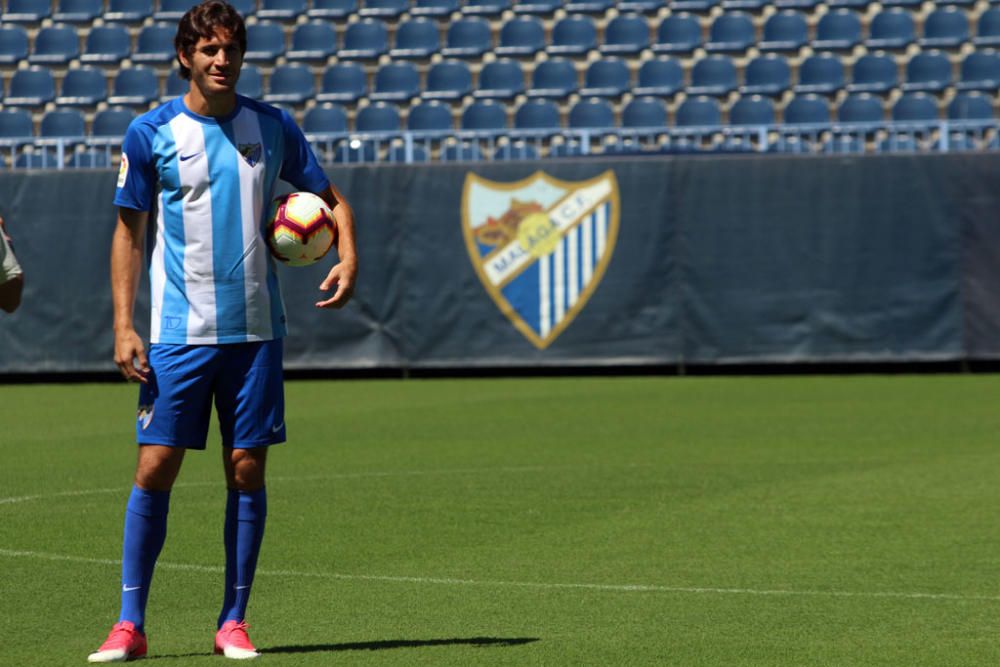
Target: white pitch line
[{"x": 445, "y": 581}]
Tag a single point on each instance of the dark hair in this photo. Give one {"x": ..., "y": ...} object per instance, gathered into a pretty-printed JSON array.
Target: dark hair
[{"x": 201, "y": 22}]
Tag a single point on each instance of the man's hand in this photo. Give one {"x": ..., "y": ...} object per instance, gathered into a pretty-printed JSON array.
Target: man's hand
[
  {"x": 343, "y": 276},
  {"x": 130, "y": 356}
]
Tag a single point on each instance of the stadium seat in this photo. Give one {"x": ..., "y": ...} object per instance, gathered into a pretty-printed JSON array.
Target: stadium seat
[
  {"x": 83, "y": 86},
  {"x": 907, "y": 4},
  {"x": 416, "y": 38},
  {"x": 447, "y": 80},
  {"x": 325, "y": 119},
  {"x": 703, "y": 6},
  {"x": 537, "y": 115},
  {"x": 246, "y": 8},
  {"x": 515, "y": 150},
  {"x": 281, "y": 10},
  {"x": 155, "y": 44},
  {"x": 988, "y": 28},
  {"x": 468, "y": 37},
  {"x": 135, "y": 86},
  {"x": 801, "y": 4},
  {"x": 461, "y": 152},
  {"x": 355, "y": 151},
  {"x": 343, "y": 82},
  {"x": 807, "y": 109},
  {"x": 432, "y": 116},
  {"x": 111, "y": 122},
  {"x": 767, "y": 75},
  {"x": 625, "y": 34},
  {"x": 265, "y": 42},
  {"x": 331, "y": 9},
  {"x": 485, "y": 7},
  {"x": 980, "y": 71},
  {"x": 13, "y": 44},
  {"x": 749, "y": 5},
  {"x": 537, "y": 6},
  {"x": 314, "y": 41},
  {"x": 521, "y": 36},
  {"x": 945, "y": 27},
  {"x": 397, "y": 154},
  {"x": 554, "y": 78},
  {"x": 752, "y": 110},
  {"x": 838, "y": 30},
  {"x": 31, "y": 87},
  {"x": 27, "y": 11},
  {"x": 251, "y": 82},
  {"x": 659, "y": 76},
  {"x": 929, "y": 71},
  {"x": 175, "y": 86},
  {"x": 378, "y": 117},
  {"x": 730, "y": 32},
  {"x": 874, "y": 73},
  {"x": 784, "y": 31},
  {"x": 484, "y": 115},
  {"x": 62, "y": 123},
  {"x": 396, "y": 82},
  {"x": 588, "y": 6},
  {"x": 861, "y": 108},
  {"x": 713, "y": 75},
  {"x": 591, "y": 114},
  {"x": 573, "y": 35},
  {"x": 290, "y": 84},
  {"x": 644, "y": 112},
  {"x": 389, "y": 9},
  {"x": 500, "y": 79},
  {"x": 891, "y": 29},
  {"x": 55, "y": 45},
  {"x": 915, "y": 107},
  {"x": 678, "y": 33},
  {"x": 437, "y": 8},
  {"x": 16, "y": 124},
  {"x": 821, "y": 73},
  {"x": 698, "y": 111},
  {"x": 106, "y": 44},
  {"x": 641, "y": 6},
  {"x": 171, "y": 10},
  {"x": 971, "y": 106},
  {"x": 77, "y": 11},
  {"x": 365, "y": 40},
  {"x": 608, "y": 77},
  {"x": 128, "y": 11}
]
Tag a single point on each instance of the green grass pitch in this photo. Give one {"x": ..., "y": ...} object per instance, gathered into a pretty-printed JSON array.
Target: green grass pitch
[{"x": 576, "y": 521}]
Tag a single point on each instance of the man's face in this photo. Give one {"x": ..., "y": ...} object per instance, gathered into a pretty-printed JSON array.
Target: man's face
[{"x": 215, "y": 64}]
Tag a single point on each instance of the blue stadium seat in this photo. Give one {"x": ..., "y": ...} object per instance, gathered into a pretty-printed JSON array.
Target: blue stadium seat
[
  {"x": 55, "y": 45},
  {"x": 807, "y": 109},
  {"x": 389, "y": 9},
  {"x": 447, "y": 80},
  {"x": 378, "y": 117},
  {"x": 626, "y": 34},
  {"x": 915, "y": 107},
  {"x": 641, "y": 6},
  {"x": 62, "y": 123},
  {"x": 698, "y": 111},
  {"x": 750, "y": 5},
  {"x": 111, "y": 122},
  {"x": 468, "y": 37},
  {"x": 500, "y": 79},
  {"x": 608, "y": 77},
  {"x": 801, "y": 4},
  {"x": 128, "y": 11},
  {"x": 591, "y": 114},
  {"x": 874, "y": 73},
  {"x": 861, "y": 108},
  {"x": 343, "y": 82},
  {"x": 83, "y": 86},
  {"x": 135, "y": 86},
  {"x": 171, "y": 10},
  {"x": 355, "y": 151},
  {"x": 397, "y": 154},
  {"x": 246, "y": 8},
  {"x": 971, "y": 106},
  {"x": 416, "y": 38},
  {"x": 588, "y": 6},
  {"x": 730, "y": 32},
  {"x": 314, "y": 41},
  {"x": 537, "y": 115},
  {"x": 820, "y": 73},
  {"x": 31, "y": 87},
  {"x": 693, "y": 5},
  {"x": 13, "y": 44},
  {"x": 545, "y": 7},
  {"x": 752, "y": 110},
  {"x": 107, "y": 44},
  {"x": 430, "y": 116},
  {"x": 16, "y": 124},
  {"x": 573, "y": 35},
  {"x": 521, "y": 36},
  {"x": 290, "y": 84},
  {"x": 325, "y": 119},
  {"x": 515, "y": 150},
  {"x": 281, "y": 10},
  {"x": 396, "y": 82},
  {"x": 945, "y": 27},
  {"x": 891, "y": 29},
  {"x": 365, "y": 40},
  {"x": 461, "y": 152},
  {"x": 484, "y": 115},
  {"x": 713, "y": 75},
  {"x": 659, "y": 76},
  {"x": 175, "y": 86},
  {"x": 929, "y": 71},
  {"x": 77, "y": 11},
  {"x": 767, "y": 75},
  {"x": 980, "y": 71},
  {"x": 251, "y": 82},
  {"x": 838, "y": 30},
  {"x": 437, "y": 8},
  {"x": 485, "y": 7},
  {"x": 265, "y": 42},
  {"x": 27, "y": 11},
  {"x": 784, "y": 31},
  {"x": 678, "y": 33},
  {"x": 554, "y": 78},
  {"x": 155, "y": 44},
  {"x": 644, "y": 112},
  {"x": 331, "y": 9},
  {"x": 909, "y": 5},
  {"x": 988, "y": 28}
]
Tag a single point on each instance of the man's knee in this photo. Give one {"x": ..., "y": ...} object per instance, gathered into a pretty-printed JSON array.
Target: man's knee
[
  {"x": 157, "y": 467},
  {"x": 248, "y": 468}
]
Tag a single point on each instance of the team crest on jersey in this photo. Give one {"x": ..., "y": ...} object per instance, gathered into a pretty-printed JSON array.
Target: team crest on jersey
[
  {"x": 540, "y": 246},
  {"x": 251, "y": 153},
  {"x": 145, "y": 416}
]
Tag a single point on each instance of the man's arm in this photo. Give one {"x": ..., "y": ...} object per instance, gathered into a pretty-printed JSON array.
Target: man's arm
[
  {"x": 11, "y": 288},
  {"x": 345, "y": 272},
  {"x": 126, "y": 262}
]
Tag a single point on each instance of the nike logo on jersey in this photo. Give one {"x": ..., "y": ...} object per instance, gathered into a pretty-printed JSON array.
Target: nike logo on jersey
[
  {"x": 126, "y": 589},
  {"x": 188, "y": 157}
]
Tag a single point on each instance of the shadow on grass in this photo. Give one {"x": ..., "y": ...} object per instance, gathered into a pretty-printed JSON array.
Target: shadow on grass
[{"x": 401, "y": 643}]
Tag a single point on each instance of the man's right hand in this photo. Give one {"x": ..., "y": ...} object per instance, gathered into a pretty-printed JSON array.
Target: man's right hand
[{"x": 130, "y": 356}]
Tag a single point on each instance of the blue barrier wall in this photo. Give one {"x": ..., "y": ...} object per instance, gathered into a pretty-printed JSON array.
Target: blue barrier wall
[{"x": 633, "y": 261}]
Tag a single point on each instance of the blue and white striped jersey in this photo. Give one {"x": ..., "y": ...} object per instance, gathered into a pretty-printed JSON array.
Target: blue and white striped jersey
[{"x": 211, "y": 275}]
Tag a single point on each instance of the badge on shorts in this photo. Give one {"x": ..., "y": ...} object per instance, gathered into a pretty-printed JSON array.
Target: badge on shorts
[{"x": 145, "y": 416}]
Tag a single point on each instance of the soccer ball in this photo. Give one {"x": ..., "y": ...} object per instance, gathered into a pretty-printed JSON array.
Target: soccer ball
[{"x": 300, "y": 229}]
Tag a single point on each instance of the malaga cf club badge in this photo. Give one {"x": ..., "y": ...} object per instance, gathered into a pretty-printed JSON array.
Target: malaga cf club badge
[{"x": 540, "y": 246}]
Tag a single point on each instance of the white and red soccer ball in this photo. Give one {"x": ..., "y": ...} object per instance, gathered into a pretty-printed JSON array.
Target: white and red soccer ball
[{"x": 300, "y": 229}]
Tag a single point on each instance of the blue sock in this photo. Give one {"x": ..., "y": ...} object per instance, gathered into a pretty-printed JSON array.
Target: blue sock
[
  {"x": 145, "y": 532},
  {"x": 246, "y": 512}
]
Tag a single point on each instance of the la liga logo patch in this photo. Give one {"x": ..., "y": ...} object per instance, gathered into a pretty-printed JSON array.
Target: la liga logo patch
[{"x": 540, "y": 246}]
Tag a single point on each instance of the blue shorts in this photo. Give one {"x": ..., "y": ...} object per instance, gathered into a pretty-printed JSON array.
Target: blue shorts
[{"x": 245, "y": 379}]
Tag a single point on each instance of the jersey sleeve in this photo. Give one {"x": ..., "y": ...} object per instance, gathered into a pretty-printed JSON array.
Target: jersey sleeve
[
  {"x": 300, "y": 166},
  {"x": 137, "y": 175}
]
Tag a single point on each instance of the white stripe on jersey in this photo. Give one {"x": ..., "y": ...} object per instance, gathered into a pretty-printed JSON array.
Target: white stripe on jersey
[{"x": 157, "y": 277}]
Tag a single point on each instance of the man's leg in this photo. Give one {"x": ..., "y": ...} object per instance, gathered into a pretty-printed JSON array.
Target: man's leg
[{"x": 246, "y": 514}]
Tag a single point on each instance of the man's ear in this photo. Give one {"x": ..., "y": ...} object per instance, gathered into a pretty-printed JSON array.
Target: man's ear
[{"x": 184, "y": 59}]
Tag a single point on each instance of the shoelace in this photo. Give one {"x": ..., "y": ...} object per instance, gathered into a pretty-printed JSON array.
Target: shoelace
[
  {"x": 120, "y": 633},
  {"x": 240, "y": 632}
]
